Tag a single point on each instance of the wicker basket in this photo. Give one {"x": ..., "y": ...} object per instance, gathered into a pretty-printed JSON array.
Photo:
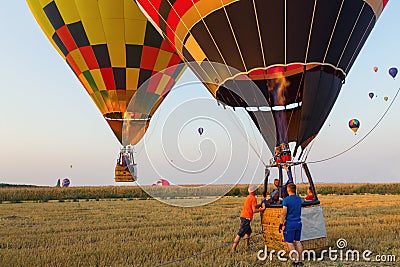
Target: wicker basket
[
  {"x": 270, "y": 219},
  {"x": 122, "y": 174}
]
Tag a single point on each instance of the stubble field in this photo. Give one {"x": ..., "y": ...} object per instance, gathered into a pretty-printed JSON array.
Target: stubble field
[{"x": 122, "y": 232}]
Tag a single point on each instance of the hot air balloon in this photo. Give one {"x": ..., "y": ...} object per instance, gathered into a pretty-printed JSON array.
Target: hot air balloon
[
  {"x": 161, "y": 182},
  {"x": 293, "y": 54},
  {"x": 371, "y": 95},
  {"x": 200, "y": 130},
  {"x": 65, "y": 182},
  {"x": 386, "y": 98},
  {"x": 393, "y": 72},
  {"x": 375, "y": 69},
  {"x": 354, "y": 124},
  {"x": 113, "y": 49}
]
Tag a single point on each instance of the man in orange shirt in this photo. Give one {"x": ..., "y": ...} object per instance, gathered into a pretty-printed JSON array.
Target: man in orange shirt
[{"x": 249, "y": 208}]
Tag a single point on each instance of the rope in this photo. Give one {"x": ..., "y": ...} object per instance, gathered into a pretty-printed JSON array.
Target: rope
[
  {"x": 203, "y": 252},
  {"x": 362, "y": 139},
  {"x": 242, "y": 132}
]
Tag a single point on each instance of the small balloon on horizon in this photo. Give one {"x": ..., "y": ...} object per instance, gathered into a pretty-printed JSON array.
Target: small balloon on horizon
[{"x": 66, "y": 182}]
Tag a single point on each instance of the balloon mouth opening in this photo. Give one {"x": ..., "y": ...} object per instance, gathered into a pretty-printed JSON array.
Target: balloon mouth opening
[
  {"x": 127, "y": 116},
  {"x": 280, "y": 71},
  {"x": 280, "y": 86}
]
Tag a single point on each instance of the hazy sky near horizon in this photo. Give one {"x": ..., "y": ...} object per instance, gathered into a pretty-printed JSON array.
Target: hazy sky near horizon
[{"x": 48, "y": 122}]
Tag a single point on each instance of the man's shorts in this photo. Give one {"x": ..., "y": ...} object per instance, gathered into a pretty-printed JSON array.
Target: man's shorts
[
  {"x": 244, "y": 227},
  {"x": 292, "y": 232}
]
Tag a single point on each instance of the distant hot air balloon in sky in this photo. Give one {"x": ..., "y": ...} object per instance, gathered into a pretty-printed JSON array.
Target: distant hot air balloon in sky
[
  {"x": 200, "y": 130},
  {"x": 371, "y": 95},
  {"x": 375, "y": 69},
  {"x": 386, "y": 98},
  {"x": 354, "y": 124},
  {"x": 65, "y": 182},
  {"x": 393, "y": 72}
]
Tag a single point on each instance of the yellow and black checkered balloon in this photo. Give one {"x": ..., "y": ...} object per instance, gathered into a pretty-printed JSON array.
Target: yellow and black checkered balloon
[{"x": 113, "y": 49}]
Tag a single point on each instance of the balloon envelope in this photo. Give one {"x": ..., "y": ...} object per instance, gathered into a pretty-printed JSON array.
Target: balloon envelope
[
  {"x": 386, "y": 98},
  {"x": 265, "y": 41},
  {"x": 65, "y": 182},
  {"x": 200, "y": 130},
  {"x": 393, "y": 72},
  {"x": 371, "y": 95},
  {"x": 113, "y": 50},
  {"x": 354, "y": 124},
  {"x": 161, "y": 182},
  {"x": 375, "y": 69}
]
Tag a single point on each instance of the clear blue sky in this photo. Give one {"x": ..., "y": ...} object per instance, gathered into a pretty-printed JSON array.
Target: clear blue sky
[{"x": 48, "y": 122}]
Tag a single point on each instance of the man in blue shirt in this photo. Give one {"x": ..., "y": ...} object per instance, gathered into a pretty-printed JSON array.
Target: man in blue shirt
[{"x": 290, "y": 218}]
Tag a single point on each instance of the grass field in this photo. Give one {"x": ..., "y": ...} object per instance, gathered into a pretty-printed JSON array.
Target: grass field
[{"x": 122, "y": 232}]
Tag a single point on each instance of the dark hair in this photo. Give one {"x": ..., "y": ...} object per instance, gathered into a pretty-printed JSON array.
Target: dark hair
[
  {"x": 291, "y": 187},
  {"x": 264, "y": 194},
  {"x": 310, "y": 188}
]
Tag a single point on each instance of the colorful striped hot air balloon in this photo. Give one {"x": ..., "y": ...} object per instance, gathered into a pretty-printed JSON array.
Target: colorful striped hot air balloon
[
  {"x": 354, "y": 124},
  {"x": 296, "y": 53},
  {"x": 113, "y": 49}
]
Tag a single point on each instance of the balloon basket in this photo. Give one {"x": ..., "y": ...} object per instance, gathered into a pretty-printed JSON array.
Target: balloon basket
[
  {"x": 313, "y": 231},
  {"x": 125, "y": 170},
  {"x": 123, "y": 174},
  {"x": 313, "y": 234}
]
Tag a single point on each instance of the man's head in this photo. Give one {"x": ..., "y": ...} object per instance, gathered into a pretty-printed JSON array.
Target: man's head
[
  {"x": 252, "y": 189},
  {"x": 276, "y": 182},
  {"x": 291, "y": 188}
]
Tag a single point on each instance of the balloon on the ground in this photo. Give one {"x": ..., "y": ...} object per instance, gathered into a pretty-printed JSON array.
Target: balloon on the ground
[
  {"x": 371, "y": 95},
  {"x": 375, "y": 69},
  {"x": 161, "y": 182},
  {"x": 393, "y": 72},
  {"x": 354, "y": 124},
  {"x": 66, "y": 182}
]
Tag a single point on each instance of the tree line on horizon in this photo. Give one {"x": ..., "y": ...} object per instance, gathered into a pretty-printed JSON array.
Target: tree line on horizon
[{"x": 19, "y": 193}]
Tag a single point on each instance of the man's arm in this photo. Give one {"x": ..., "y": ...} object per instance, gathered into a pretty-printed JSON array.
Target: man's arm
[
  {"x": 255, "y": 209},
  {"x": 283, "y": 215}
]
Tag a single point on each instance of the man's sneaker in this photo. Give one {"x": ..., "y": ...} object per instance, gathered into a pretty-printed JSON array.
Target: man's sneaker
[{"x": 234, "y": 251}]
